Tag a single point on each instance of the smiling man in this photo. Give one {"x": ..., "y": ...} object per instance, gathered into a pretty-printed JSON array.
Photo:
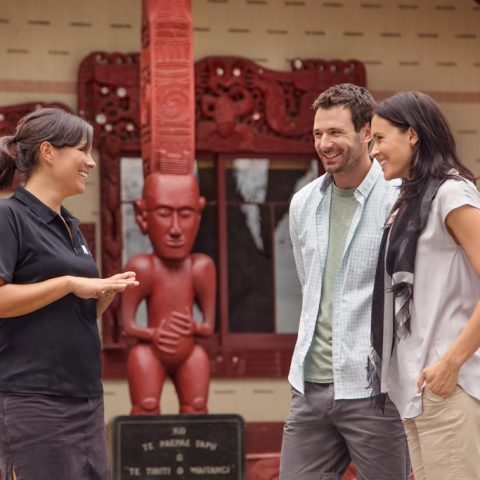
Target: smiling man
[{"x": 336, "y": 225}]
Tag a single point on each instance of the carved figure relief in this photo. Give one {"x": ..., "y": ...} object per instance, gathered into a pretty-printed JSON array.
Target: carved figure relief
[{"x": 171, "y": 280}]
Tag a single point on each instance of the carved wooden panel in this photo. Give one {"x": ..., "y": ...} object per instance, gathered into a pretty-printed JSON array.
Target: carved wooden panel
[
  {"x": 11, "y": 114},
  {"x": 167, "y": 91},
  {"x": 244, "y": 107},
  {"x": 240, "y": 107},
  {"x": 334, "y": 71},
  {"x": 108, "y": 97}
]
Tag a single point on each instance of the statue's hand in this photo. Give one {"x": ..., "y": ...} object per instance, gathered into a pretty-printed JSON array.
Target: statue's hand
[
  {"x": 183, "y": 323},
  {"x": 165, "y": 340}
]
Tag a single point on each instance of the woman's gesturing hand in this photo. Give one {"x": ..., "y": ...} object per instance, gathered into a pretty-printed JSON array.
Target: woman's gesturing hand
[{"x": 97, "y": 287}]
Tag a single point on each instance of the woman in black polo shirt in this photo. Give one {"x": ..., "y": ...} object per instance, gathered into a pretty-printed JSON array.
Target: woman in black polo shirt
[{"x": 51, "y": 402}]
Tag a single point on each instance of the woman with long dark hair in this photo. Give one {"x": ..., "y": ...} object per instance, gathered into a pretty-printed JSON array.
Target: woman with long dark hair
[
  {"x": 51, "y": 401},
  {"x": 426, "y": 310}
]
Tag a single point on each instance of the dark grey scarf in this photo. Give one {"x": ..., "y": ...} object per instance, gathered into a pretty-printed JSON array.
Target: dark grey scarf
[{"x": 394, "y": 277}]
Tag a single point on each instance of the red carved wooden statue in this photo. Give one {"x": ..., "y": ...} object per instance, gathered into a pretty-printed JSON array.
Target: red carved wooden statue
[{"x": 171, "y": 278}]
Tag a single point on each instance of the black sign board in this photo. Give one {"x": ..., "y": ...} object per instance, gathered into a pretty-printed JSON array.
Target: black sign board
[{"x": 187, "y": 447}]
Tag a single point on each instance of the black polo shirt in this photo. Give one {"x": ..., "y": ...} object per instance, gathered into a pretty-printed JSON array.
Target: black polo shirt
[{"x": 56, "y": 349}]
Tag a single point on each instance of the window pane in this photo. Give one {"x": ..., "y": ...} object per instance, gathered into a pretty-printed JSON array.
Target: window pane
[
  {"x": 206, "y": 173},
  {"x": 264, "y": 291},
  {"x": 250, "y": 280},
  {"x": 263, "y": 179},
  {"x": 133, "y": 241},
  {"x": 206, "y": 241}
]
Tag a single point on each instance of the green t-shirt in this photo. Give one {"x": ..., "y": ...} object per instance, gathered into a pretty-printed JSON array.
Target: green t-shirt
[{"x": 318, "y": 363}]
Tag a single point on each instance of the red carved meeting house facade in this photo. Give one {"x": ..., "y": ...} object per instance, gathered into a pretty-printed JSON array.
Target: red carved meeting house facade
[
  {"x": 242, "y": 110},
  {"x": 246, "y": 132}
]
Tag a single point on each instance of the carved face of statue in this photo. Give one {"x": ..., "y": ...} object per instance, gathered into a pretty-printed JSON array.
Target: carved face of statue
[{"x": 170, "y": 213}]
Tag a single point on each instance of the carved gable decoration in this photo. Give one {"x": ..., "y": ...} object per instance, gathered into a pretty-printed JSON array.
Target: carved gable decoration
[
  {"x": 109, "y": 98},
  {"x": 239, "y": 105}
]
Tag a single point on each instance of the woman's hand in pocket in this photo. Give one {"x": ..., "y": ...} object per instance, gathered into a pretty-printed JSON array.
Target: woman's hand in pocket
[{"x": 440, "y": 378}]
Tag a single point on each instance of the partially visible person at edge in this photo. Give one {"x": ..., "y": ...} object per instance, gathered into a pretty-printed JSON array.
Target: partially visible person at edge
[
  {"x": 51, "y": 401},
  {"x": 336, "y": 225},
  {"x": 427, "y": 290}
]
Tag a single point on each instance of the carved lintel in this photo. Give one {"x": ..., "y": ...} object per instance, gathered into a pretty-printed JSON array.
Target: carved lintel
[
  {"x": 240, "y": 105},
  {"x": 244, "y": 106}
]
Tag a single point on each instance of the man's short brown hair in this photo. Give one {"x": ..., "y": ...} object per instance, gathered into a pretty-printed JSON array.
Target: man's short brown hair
[{"x": 357, "y": 99}]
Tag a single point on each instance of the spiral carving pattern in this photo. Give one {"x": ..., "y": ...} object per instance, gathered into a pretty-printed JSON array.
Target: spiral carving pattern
[{"x": 173, "y": 102}]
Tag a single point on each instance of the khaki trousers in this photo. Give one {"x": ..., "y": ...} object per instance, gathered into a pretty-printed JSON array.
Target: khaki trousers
[{"x": 444, "y": 441}]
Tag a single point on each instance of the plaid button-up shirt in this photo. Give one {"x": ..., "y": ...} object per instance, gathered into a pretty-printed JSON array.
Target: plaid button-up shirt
[{"x": 309, "y": 230}]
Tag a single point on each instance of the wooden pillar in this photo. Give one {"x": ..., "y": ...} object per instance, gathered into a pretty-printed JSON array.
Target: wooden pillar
[{"x": 167, "y": 87}]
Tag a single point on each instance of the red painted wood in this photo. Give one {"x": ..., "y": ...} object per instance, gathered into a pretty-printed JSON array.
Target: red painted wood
[
  {"x": 240, "y": 108},
  {"x": 167, "y": 89},
  {"x": 108, "y": 97},
  {"x": 244, "y": 107},
  {"x": 11, "y": 114},
  {"x": 88, "y": 230}
]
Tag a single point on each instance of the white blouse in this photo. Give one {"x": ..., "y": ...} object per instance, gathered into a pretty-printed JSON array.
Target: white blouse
[{"x": 445, "y": 292}]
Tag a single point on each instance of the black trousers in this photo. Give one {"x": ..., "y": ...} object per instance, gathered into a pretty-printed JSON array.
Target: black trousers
[{"x": 45, "y": 437}]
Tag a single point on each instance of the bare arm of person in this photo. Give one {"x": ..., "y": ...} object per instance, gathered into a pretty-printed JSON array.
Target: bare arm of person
[
  {"x": 16, "y": 300},
  {"x": 463, "y": 224}
]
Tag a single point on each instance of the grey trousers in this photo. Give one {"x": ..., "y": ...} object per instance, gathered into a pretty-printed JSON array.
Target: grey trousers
[{"x": 322, "y": 435}]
